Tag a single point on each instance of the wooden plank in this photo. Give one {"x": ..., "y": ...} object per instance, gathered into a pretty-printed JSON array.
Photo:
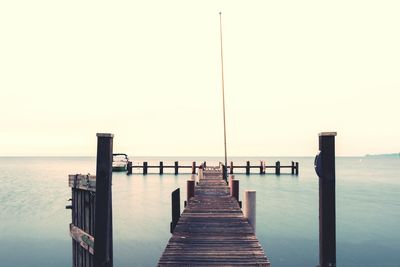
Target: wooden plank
[
  {"x": 82, "y": 181},
  {"x": 84, "y": 239},
  {"x": 212, "y": 230}
]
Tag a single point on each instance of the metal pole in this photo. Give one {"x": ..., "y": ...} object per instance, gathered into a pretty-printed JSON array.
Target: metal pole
[{"x": 223, "y": 94}]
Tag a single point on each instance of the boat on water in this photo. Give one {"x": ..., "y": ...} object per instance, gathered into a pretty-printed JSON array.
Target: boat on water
[{"x": 120, "y": 162}]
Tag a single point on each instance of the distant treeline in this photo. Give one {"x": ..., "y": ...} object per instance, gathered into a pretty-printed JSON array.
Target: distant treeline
[{"x": 391, "y": 155}]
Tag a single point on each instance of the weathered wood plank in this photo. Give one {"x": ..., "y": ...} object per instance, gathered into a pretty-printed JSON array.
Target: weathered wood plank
[
  {"x": 82, "y": 181},
  {"x": 83, "y": 238},
  {"x": 212, "y": 230}
]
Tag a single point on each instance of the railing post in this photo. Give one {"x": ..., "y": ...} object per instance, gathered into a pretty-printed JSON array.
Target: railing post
[
  {"x": 189, "y": 190},
  {"x": 103, "y": 246},
  {"x": 249, "y": 210},
  {"x": 261, "y": 167},
  {"x": 297, "y": 168},
  {"x": 129, "y": 167},
  {"x": 225, "y": 173},
  {"x": 231, "y": 168},
  {"x": 194, "y": 167},
  {"x": 248, "y": 167},
  {"x": 278, "y": 168},
  {"x": 235, "y": 189},
  {"x": 176, "y": 167},
  {"x": 325, "y": 168},
  {"x": 161, "y": 167},
  {"x": 176, "y": 209},
  {"x": 145, "y": 167},
  {"x": 293, "y": 167}
]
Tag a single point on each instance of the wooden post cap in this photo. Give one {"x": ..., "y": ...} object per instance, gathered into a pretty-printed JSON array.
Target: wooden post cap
[
  {"x": 327, "y": 134},
  {"x": 105, "y": 135}
]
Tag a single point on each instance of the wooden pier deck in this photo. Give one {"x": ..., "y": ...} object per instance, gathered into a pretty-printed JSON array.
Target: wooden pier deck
[{"x": 212, "y": 230}]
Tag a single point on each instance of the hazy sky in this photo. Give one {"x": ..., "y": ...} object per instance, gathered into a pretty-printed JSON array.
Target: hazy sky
[{"x": 149, "y": 72}]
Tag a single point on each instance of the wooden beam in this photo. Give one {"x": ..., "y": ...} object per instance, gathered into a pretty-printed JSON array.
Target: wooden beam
[
  {"x": 84, "y": 239},
  {"x": 82, "y": 181}
]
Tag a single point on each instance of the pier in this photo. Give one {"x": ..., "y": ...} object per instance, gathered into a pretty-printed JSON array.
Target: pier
[
  {"x": 261, "y": 167},
  {"x": 212, "y": 230}
]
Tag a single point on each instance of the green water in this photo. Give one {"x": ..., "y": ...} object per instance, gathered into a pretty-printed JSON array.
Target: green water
[{"x": 34, "y": 221}]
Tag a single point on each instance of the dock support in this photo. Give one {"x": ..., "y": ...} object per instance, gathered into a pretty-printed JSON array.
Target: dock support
[
  {"x": 293, "y": 167},
  {"x": 225, "y": 173},
  {"x": 325, "y": 168},
  {"x": 262, "y": 167},
  {"x": 278, "y": 168},
  {"x": 103, "y": 246},
  {"x": 129, "y": 168},
  {"x": 194, "y": 167},
  {"x": 161, "y": 167},
  {"x": 250, "y": 207},
  {"x": 176, "y": 208},
  {"x": 235, "y": 189},
  {"x": 176, "y": 167},
  {"x": 231, "y": 168},
  {"x": 297, "y": 168},
  {"x": 189, "y": 189},
  {"x": 248, "y": 167},
  {"x": 145, "y": 167}
]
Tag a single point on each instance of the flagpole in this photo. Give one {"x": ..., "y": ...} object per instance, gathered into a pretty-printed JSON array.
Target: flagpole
[{"x": 223, "y": 95}]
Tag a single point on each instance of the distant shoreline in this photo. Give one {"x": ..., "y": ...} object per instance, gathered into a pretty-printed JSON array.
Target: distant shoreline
[{"x": 390, "y": 155}]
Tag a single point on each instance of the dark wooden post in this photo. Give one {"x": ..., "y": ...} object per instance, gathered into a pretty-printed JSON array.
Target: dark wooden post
[
  {"x": 278, "y": 168},
  {"x": 225, "y": 173},
  {"x": 176, "y": 209},
  {"x": 161, "y": 167},
  {"x": 261, "y": 167},
  {"x": 145, "y": 167},
  {"x": 205, "y": 164},
  {"x": 248, "y": 167},
  {"x": 194, "y": 167},
  {"x": 293, "y": 167},
  {"x": 129, "y": 167},
  {"x": 325, "y": 168},
  {"x": 231, "y": 168},
  {"x": 176, "y": 167},
  {"x": 103, "y": 244},
  {"x": 235, "y": 189},
  {"x": 297, "y": 168},
  {"x": 189, "y": 189}
]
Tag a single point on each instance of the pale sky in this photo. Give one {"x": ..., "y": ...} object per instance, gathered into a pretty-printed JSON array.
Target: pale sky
[{"x": 149, "y": 72}]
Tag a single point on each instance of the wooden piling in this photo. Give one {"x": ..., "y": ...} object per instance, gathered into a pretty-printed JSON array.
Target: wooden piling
[
  {"x": 277, "y": 168},
  {"x": 129, "y": 167},
  {"x": 161, "y": 167},
  {"x": 293, "y": 168},
  {"x": 145, "y": 167},
  {"x": 235, "y": 189},
  {"x": 249, "y": 209},
  {"x": 325, "y": 167},
  {"x": 248, "y": 167},
  {"x": 190, "y": 189},
  {"x": 103, "y": 250},
  {"x": 176, "y": 167},
  {"x": 176, "y": 208},
  {"x": 194, "y": 167},
  {"x": 297, "y": 168},
  {"x": 231, "y": 168}
]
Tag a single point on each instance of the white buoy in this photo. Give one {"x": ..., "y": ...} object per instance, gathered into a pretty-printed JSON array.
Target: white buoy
[{"x": 250, "y": 207}]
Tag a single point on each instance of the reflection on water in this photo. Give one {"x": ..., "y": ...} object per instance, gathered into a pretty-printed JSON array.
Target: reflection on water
[{"x": 34, "y": 222}]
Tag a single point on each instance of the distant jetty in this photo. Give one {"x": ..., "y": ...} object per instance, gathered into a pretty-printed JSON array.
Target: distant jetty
[{"x": 390, "y": 155}]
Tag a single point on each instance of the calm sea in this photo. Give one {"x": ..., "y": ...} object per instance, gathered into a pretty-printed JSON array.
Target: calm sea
[{"x": 34, "y": 221}]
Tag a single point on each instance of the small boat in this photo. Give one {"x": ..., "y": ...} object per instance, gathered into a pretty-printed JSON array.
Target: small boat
[{"x": 120, "y": 162}]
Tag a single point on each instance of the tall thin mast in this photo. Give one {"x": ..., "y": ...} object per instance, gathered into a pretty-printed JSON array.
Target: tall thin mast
[{"x": 223, "y": 92}]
